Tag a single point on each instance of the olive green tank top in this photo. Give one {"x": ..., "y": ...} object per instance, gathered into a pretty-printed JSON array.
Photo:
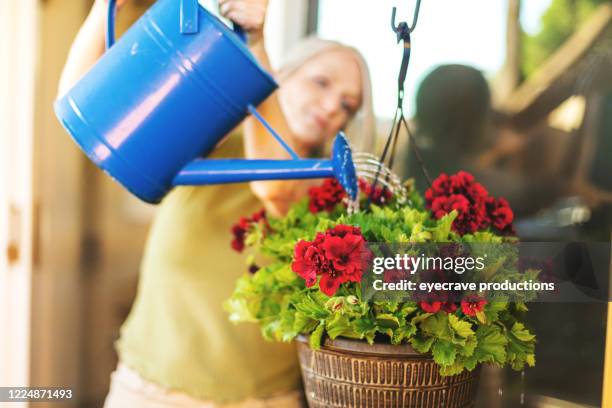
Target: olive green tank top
[{"x": 177, "y": 334}]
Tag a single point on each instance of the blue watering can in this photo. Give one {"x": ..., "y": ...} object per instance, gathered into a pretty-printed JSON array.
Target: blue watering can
[{"x": 172, "y": 87}]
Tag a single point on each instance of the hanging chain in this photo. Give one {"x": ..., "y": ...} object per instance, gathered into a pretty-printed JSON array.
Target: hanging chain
[{"x": 403, "y": 31}]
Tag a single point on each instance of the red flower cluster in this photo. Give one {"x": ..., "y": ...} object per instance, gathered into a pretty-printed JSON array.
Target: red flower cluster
[
  {"x": 476, "y": 209},
  {"x": 378, "y": 195},
  {"x": 326, "y": 196},
  {"x": 500, "y": 215},
  {"x": 331, "y": 193},
  {"x": 395, "y": 275},
  {"x": 240, "y": 229},
  {"x": 472, "y": 304},
  {"x": 338, "y": 255},
  {"x": 437, "y": 305}
]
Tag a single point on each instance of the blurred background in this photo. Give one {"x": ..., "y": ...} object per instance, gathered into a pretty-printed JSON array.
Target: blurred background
[{"x": 517, "y": 92}]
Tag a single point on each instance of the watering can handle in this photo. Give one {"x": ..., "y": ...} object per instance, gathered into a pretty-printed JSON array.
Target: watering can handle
[
  {"x": 240, "y": 33},
  {"x": 189, "y": 21},
  {"x": 110, "y": 23}
]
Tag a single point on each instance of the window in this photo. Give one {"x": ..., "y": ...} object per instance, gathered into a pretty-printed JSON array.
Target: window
[{"x": 448, "y": 31}]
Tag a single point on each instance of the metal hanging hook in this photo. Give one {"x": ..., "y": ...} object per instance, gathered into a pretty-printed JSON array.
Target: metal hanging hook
[{"x": 402, "y": 29}]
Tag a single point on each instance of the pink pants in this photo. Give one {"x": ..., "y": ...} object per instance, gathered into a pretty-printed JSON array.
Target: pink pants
[{"x": 128, "y": 389}]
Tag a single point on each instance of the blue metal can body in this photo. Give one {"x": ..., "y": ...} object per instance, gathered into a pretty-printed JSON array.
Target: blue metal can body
[{"x": 158, "y": 98}]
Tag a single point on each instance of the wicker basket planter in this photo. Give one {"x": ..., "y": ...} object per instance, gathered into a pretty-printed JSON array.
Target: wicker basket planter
[{"x": 351, "y": 373}]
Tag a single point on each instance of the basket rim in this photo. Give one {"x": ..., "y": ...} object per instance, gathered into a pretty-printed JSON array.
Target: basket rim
[{"x": 356, "y": 346}]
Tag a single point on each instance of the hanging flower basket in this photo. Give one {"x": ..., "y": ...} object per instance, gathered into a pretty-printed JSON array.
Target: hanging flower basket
[
  {"x": 359, "y": 352},
  {"x": 351, "y": 373}
]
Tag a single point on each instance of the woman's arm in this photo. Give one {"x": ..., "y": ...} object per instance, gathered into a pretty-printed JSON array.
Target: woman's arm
[
  {"x": 276, "y": 196},
  {"x": 87, "y": 47}
]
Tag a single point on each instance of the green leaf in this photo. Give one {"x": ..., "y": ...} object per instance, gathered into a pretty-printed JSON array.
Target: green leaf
[
  {"x": 303, "y": 323},
  {"x": 482, "y": 237},
  {"x": 482, "y": 317},
  {"x": 521, "y": 346},
  {"x": 453, "y": 369},
  {"x": 387, "y": 321},
  {"x": 491, "y": 345},
  {"x": 250, "y": 260},
  {"x": 421, "y": 343},
  {"x": 441, "y": 231},
  {"x": 468, "y": 347},
  {"x": 311, "y": 308},
  {"x": 386, "y": 306},
  {"x": 407, "y": 309},
  {"x": 520, "y": 332},
  {"x": 444, "y": 352},
  {"x": 239, "y": 310},
  {"x": 364, "y": 325},
  {"x": 462, "y": 328},
  {"x": 521, "y": 307},
  {"x": 316, "y": 336},
  {"x": 438, "y": 326},
  {"x": 337, "y": 326},
  {"x": 285, "y": 275},
  {"x": 269, "y": 328},
  {"x": 403, "y": 332},
  {"x": 470, "y": 363},
  {"x": 492, "y": 310},
  {"x": 421, "y": 317}
]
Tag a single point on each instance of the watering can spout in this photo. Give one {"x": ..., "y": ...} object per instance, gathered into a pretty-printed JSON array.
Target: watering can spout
[{"x": 222, "y": 171}]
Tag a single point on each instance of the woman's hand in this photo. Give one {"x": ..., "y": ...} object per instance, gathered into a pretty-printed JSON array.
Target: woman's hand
[{"x": 249, "y": 14}]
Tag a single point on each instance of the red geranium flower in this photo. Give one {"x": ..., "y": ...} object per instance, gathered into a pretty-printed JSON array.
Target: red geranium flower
[
  {"x": 500, "y": 213},
  {"x": 326, "y": 196},
  {"x": 440, "y": 206},
  {"x": 431, "y": 307},
  {"x": 330, "y": 282},
  {"x": 337, "y": 256},
  {"x": 341, "y": 230},
  {"x": 395, "y": 275},
  {"x": 461, "y": 193},
  {"x": 240, "y": 229},
  {"x": 436, "y": 301},
  {"x": 346, "y": 254},
  {"x": 259, "y": 216},
  {"x": 476, "y": 210},
  {"x": 379, "y": 195},
  {"x": 308, "y": 261},
  {"x": 449, "y": 307},
  {"x": 472, "y": 304}
]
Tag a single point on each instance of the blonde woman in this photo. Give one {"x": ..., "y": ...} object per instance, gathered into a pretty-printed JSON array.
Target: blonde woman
[{"x": 177, "y": 348}]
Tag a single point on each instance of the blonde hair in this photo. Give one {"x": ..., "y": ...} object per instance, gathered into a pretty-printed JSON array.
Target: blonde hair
[{"x": 361, "y": 128}]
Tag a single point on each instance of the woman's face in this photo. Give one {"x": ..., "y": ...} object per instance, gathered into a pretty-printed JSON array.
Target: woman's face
[{"x": 320, "y": 97}]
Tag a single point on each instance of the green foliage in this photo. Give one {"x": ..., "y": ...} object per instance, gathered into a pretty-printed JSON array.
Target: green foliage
[
  {"x": 559, "y": 22},
  {"x": 278, "y": 300}
]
